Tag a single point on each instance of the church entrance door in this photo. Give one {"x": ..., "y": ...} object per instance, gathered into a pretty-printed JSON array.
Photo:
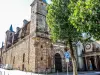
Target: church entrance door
[
  {"x": 98, "y": 63},
  {"x": 93, "y": 63},
  {"x": 58, "y": 63}
]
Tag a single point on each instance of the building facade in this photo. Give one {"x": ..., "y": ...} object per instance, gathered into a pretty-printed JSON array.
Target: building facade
[
  {"x": 30, "y": 47},
  {"x": 92, "y": 56}
]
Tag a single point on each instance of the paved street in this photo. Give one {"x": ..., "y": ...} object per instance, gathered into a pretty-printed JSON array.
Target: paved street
[
  {"x": 17, "y": 72},
  {"x": 80, "y": 73}
]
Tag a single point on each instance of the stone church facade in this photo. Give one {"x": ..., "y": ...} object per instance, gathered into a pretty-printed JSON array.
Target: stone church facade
[{"x": 30, "y": 47}]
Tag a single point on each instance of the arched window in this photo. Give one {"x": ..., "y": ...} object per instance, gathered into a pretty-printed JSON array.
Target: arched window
[
  {"x": 14, "y": 60},
  {"x": 24, "y": 57}
]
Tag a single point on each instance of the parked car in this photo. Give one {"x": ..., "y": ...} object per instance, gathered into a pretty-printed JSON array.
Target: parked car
[
  {"x": 1, "y": 65},
  {"x": 8, "y": 67}
]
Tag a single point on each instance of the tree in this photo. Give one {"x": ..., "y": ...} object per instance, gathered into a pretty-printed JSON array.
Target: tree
[
  {"x": 86, "y": 16},
  {"x": 61, "y": 28}
]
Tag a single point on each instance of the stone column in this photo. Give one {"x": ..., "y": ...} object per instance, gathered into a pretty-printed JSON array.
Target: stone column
[
  {"x": 95, "y": 58},
  {"x": 86, "y": 63},
  {"x": 80, "y": 63}
]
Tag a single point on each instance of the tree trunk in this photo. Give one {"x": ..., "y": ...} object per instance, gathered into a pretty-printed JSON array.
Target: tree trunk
[{"x": 73, "y": 58}]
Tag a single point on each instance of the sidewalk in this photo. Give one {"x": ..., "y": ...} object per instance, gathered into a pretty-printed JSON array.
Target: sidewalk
[{"x": 17, "y": 72}]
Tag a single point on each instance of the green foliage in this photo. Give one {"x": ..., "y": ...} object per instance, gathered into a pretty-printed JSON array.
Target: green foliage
[
  {"x": 85, "y": 16},
  {"x": 57, "y": 20}
]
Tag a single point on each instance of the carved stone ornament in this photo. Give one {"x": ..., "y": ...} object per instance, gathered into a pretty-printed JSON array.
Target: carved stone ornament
[{"x": 88, "y": 46}]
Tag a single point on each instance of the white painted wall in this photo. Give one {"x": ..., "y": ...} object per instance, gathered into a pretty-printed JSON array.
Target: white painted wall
[{"x": 79, "y": 53}]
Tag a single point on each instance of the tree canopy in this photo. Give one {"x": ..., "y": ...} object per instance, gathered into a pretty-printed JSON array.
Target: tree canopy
[
  {"x": 85, "y": 16},
  {"x": 57, "y": 19},
  {"x": 67, "y": 19},
  {"x": 60, "y": 26}
]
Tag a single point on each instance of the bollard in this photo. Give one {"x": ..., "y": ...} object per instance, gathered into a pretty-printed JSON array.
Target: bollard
[
  {"x": 26, "y": 73},
  {"x": 31, "y": 73},
  {"x": 67, "y": 68},
  {"x": 46, "y": 71},
  {"x": 57, "y": 72},
  {"x": 38, "y": 71},
  {"x": 4, "y": 72},
  {"x": 0, "y": 73}
]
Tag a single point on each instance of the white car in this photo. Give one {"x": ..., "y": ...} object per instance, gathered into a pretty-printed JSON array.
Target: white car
[
  {"x": 1, "y": 65},
  {"x": 8, "y": 67}
]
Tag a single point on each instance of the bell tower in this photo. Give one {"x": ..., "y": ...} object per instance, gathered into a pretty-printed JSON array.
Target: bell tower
[
  {"x": 38, "y": 25},
  {"x": 40, "y": 44}
]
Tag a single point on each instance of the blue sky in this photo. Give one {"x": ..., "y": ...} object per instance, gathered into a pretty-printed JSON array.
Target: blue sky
[{"x": 13, "y": 12}]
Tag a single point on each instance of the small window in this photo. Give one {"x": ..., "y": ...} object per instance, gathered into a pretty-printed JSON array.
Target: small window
[
  {"x": 10, "y": 34},
  {"x": 41, "y": 3},
  {"x": 41, "y": 58},
  {"x": 41, "y": 46}
]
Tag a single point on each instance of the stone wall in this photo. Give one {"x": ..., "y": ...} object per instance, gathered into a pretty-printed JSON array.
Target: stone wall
[
  {"x": 18, "y": 55},
  {"x": 59, "y": 48},
  {"x": 37, "y": 54},
  {"x": 42, "y": 54}
]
